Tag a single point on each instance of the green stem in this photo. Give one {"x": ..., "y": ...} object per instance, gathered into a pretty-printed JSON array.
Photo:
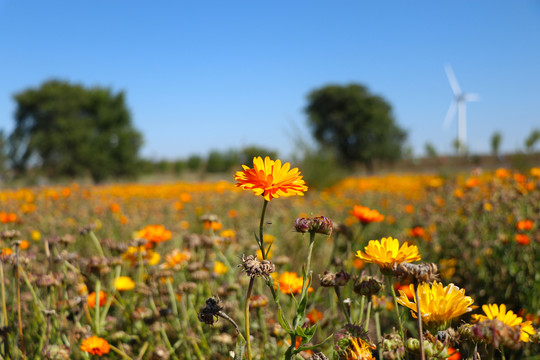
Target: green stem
[
  {"x": 120, "y": 352},
  {"x": 391, "y": 284},
  {"x": 97, "y": 318},
  {"x": 368, "y": 314},
  {"x": 96, "y": 242},
  {"x": 261, "y": 232},
  {"x": 310, "y": 250},
  {"x": 4, "y": 308},
  {"x": 343, "y": 308},
  {"x": 378, "y": 329},
  {"x": 246, "y": 317}
]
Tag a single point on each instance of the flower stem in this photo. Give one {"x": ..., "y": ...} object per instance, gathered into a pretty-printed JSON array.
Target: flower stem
[
  {"x": 261, "y": 232},
  {"x": 343, "y": 308},
  {"x": 378, "y": 329},
  {"x": 419, "y": 316},
  {"x": 310, "y": 250},
  {"x": 246, "y": 317},
  {"x": 391, "y": 284}
]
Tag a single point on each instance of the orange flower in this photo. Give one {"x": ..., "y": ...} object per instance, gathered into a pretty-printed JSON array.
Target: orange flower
[
  {"x": 24, "y": 244},
  {"x": 471, "y": 182},
  {"x": 314, "y": 316},
  {"x": 406, "y": 289},
  {"x": 524, "y": 225},
  {"x": 6, "y": 218},
  {"x": 365, "y": 215},
  {"x": 154, "y": 234},
  {"x": 91, "y": 299},
  {"x": 453, "y": 354},
  {"x": 522, "y": 239},
  {"x": 271, "y": 179},
  {"x": 95, "y": 346},
  {"x": 290, "y": 283},
  {"x": 417, "y": 231}
]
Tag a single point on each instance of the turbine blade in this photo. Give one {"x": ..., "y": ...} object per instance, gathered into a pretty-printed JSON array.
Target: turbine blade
[
  {"x": 452, "y": 80},
  {"x": 471, "y": 97},
  {"x": 450, "y": 115}
]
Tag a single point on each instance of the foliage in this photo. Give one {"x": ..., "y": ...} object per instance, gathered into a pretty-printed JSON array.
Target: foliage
[
  {"x": 69, "y": 242},
  {"x": 69, "y": 130},
  {"x": 194, "y": 162},
  {"x": 495, "y": 142},
  {"x": 221, "y": 161},
  {"x": 532, "y": 140},
  {"x": 430, "y": 150},
  {"x": 358, "y": 125}
]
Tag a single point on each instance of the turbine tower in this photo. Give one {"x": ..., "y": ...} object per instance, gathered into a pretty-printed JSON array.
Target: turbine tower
[{"x": 459, "y": 102}]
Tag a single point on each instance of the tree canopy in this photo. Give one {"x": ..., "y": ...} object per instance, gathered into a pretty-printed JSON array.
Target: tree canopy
[
  {"x": 356, "y": 124},
  {"x": 69, "y": 130}
]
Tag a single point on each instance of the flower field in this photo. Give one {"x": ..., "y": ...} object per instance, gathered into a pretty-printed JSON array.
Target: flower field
[{"x": 263, "y": 267}]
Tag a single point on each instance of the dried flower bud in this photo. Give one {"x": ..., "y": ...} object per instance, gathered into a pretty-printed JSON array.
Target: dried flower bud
[
  {"x": 497, "y": 333},
  {"x": 55, "y": 352},
  {"x": 253, "y": 267},
  {"x": 319, "y": 225},
  {"x": 368, "y": 286},
  {"x": 318, "y": 356},
  {"x": 329, "y": 279},
  {"x": 10, "y": 234},
  {"x": 209, "y": 313},
  {"x": 419, "y": 272}
]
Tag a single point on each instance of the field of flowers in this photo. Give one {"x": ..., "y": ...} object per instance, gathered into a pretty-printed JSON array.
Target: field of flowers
[{"x": 263, "y": 267}]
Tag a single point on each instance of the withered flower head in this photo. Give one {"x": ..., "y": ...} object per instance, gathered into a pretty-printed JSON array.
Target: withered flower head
[
  {"x": 496, "y": 332},
  {"x": 427, "y": 272},
  {"x": 86, "y": 229},
  {"x": 47, "y": 280},
  {"x": 209, "y": 313},
  {"x": 318, "y": 356},
  {"x": 329, "y": 279},
  {"x": 55, "y": 352},
  {"x": 10, "y": 234},
  {"x": 367, "y": 286},
  {"x": 253, "y": 267},
  {"x": 318, "y": 224}
]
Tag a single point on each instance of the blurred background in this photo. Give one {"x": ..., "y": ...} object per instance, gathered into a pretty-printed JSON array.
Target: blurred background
[{"x": 102, "y": 90}]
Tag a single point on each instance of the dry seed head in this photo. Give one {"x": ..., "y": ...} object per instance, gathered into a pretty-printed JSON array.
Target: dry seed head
[
  {"x": 427, "y": 272},
  {"x": 10, "y": 234},
  {"x": 367, "y": 286},
  {"x": 318, "y": 356},
  {"x": 253, "y": 267},
  {"x": 209, "y": 313},
  {"x": 329, "y": 279}
]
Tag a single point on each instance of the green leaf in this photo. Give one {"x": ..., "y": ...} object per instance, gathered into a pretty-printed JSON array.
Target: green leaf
[
  {"x": 240, "y": 348},
  {"x": 311, "y": 347},
  {"x": 283, "y": 322}
]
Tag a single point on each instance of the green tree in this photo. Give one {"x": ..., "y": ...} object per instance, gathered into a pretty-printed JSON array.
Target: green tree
[
  {"x": 496, "y": 140},
  {"x": 69, "y": 130},
  {"x": 249, "y": 152},
  {"x": 431, "y": 151},
  {"x": 532, "y": 139},
  {"x": 358, "y": 125}
]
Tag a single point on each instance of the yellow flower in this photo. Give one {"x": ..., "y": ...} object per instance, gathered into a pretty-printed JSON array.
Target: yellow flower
[
  {"x": 95, "y": 346},
  {"x": 220, "y": 268},
  {"x": 270, "y": 179},
  {"x": 35, "y": 235},
  {"x": 154, "y": 234},
  {"x": 438, "y": 304},
  {"x": 359, "y": 349},
  {"x": 124, "y": 283},
  {"x": 387, "y": 253},
  {"x": 509, "y": 318}
]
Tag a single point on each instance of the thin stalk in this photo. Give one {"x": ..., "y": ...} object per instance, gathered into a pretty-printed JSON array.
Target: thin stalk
[
  {"x": 419, "y": 316},
  {"x": 261, "y": 233},
  {"x": 368, "y": 314},
  {"x": 391, "y": 284},
  {"x": 96, "y": 242},
  {"x": 97, "y": 318},
  {"x": 362, "y": 302},
  {"x": 246, "y": 315},
  {"x": 343, "y": 308},
  {"x": 19, "y": 311},
  {"x": 378, "y": 329},
  {"x": 310, "y": 250},
  {"x": 3, "y": 289},
  {"x": 120, "y": 352}
]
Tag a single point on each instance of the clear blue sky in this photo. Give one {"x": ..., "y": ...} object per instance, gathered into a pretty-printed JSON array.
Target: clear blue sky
[{"x": 202, "y": 75}]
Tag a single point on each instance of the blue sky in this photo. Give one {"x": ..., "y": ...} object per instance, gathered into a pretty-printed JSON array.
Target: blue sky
[{"x": 203, "y": 75}]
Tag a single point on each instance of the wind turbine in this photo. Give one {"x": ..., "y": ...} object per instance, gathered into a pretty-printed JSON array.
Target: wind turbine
[{"x": 459, "y": 102}]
